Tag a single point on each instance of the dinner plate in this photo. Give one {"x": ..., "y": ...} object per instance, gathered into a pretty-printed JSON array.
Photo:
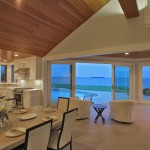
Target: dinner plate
[
  {"x": 20, "y": 111},
  {"x": 14, "y": 132},
  {"x": 50, "y": 109},
  {"x": 28, "y": 116},
  {"x": 54, "y": 118}
]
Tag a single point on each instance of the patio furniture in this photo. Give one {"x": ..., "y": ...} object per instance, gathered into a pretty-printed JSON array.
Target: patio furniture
[
  {"x": 63, "y": 103},
  {"x": 37, "y": 137},
  {"x": 84, "y": 107},
  {"x": 61, "y": 139},
  {"x": 88, "y": 97},
  {"x": 99, "y": 108},
  {"x": 122, "y": 110}
]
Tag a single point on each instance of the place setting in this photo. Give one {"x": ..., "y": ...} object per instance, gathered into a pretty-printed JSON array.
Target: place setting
[
  {"x": 20, "y": 111},
  {"x": 15, "y": 132},
  {"x": 27, "y": 116},
  {"x": 16, "y": 128},
  {"x": 50, "y": 109},
  {"x": 12, "y": 131},
  {"x": 54, "y": 118}
]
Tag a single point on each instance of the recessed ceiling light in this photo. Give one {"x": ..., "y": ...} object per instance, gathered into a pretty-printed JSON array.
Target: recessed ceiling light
[
  {"x": 4, "y": 60},
  {"x": 126, "y": 53},
  {"x": 16, "y": 55}
]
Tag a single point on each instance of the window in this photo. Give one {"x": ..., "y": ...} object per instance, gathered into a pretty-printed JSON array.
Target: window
[
  {"x": 60, "y": 81},
  {"x": 93, "y": 79},
  {"x": 3, "y": 73}
]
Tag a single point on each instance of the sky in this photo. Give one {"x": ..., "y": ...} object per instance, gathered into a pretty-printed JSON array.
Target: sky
[
  {"x": 146, "y": 71},
  {"x": 95, "y": 70},
  {"x": 82, "y": 70}
]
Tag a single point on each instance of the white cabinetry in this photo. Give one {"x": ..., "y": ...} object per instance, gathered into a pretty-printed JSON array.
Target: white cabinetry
[
  {"x": 7, "y": 92},
  {"x": 33, "y": 63},
  {"x": 32, "y": 97}
]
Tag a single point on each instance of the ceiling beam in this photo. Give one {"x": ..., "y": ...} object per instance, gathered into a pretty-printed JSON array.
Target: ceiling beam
[{"x": 129, "y": 8}]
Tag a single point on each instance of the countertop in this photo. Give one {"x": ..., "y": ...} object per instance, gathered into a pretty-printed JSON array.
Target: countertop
[
  {"x": 7, "y": 88},
  {"x": 32, "y": 90},
  {"x": 12, "y": 88}
]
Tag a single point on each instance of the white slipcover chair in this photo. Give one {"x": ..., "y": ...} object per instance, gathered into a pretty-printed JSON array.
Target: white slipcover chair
[
  {"x": 37, "y": 137},
  {"x": 61, "y": 139},
  {"x": 63, "y": 103},
  {"x": 84, "y": 107},
  {"x": 122, "y": 110}
]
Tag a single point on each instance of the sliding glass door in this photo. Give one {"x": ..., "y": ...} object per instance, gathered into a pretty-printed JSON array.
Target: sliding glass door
[
  {"x": 121, "y": 85},
  {"x": 104, "y": 82},
  {"x": 145, "y": 83},
  {"x": 93, "y": 79},
  {"x": 60, "y": 78}
]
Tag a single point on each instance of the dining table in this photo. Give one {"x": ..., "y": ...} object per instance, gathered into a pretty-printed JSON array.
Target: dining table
[{"x": 8, "y": 143}]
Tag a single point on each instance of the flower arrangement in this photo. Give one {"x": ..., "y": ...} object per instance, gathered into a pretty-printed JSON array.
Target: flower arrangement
[
  {"x": 4, "y": 105},
  {"x": 3, "y": 114}
]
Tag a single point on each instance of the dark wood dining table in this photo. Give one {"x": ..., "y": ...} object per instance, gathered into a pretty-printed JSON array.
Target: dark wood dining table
[{"x": 7, "y": 143}]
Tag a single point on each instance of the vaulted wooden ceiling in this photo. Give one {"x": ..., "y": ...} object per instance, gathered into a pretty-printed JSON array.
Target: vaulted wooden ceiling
[{"x": 37, "y": 26}]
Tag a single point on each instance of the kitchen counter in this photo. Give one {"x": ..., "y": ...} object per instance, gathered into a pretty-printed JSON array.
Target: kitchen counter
[
  {"x": 32, "y": 97},
  {"x": 7, "y": 88},
  {"x": 32, "y": 90}
]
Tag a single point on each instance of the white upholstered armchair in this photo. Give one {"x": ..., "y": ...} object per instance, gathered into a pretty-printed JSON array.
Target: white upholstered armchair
[
  {"x": 84, "y": 107},
  {"x": 122, "y": 110}
]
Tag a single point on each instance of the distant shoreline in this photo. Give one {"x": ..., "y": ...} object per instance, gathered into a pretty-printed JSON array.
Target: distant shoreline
[
  {"x": 97, "y": 77},
  {"x": 92, "y": 88}
]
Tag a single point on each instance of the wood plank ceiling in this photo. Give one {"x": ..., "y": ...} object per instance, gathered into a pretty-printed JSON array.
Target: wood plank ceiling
[{"x": 37, "y": 26}]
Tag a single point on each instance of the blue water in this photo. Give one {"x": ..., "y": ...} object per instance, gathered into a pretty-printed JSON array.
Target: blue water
[
  {"x": 105, "y": 96},
  {"x": 91, "y": 81},
  {"x": 57, "y": 92},
  {"x": 98, "y": 96}
]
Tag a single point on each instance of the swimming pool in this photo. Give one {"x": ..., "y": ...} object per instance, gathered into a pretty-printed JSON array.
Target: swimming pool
[{"x": 59, "y": 92}]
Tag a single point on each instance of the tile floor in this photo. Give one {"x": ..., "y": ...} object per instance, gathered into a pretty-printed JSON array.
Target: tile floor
[{"x": 112, "y": 135}]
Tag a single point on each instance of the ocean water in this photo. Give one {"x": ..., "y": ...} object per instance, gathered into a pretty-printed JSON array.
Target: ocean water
[
  {"x": 102, "y": 96},
  {"x": 94, "y": 81}
]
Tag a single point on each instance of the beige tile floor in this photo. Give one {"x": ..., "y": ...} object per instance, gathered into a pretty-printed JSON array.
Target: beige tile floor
[{"x": 112, "y": 135}]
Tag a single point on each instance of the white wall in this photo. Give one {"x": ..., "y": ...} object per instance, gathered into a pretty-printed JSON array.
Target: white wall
[{"x": 108, "y": 31}]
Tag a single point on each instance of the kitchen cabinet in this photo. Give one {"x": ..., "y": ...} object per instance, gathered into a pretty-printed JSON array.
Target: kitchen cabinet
[
  {"x": 35, "y": 67},
  {"x": 32, "y": 97},
  {"x": 7, "y": 92}
]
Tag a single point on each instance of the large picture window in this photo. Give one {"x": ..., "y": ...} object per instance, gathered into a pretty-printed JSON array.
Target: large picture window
[{"x": 3, "y": 73}]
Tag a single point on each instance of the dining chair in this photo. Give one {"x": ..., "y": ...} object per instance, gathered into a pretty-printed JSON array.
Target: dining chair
[
  {"x": 63, "y": 103},
  {"x": 88, "y": 97},
  {"x": 60, "y": 139},
  {"x": 37, "y": 137}
]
